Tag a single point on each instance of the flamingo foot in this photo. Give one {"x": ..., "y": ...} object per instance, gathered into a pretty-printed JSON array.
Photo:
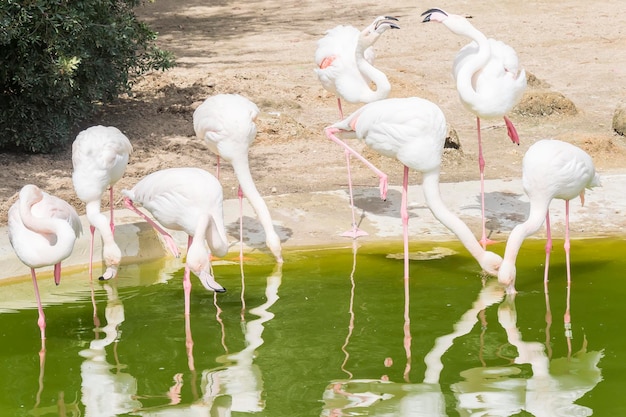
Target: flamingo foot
[
  {"x": 511, "y": 131},
  {"x": 383, "y": 185},
  {"x": 485, "y": 241},
  {"x": 354, "y": 233},
  {"x": 171, "y": 245}
]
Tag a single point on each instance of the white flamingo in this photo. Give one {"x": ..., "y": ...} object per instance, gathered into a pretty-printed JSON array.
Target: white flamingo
[
  {"x": 42, "y": 231},
  {"x": 413, "y": 131},
  {"x": 345, "y": 58},
  {"x": 226, "y": 123},
  {"x": 191, "y": 200},
  {"x": 488, "y": 79},
  {"x": 100, "y": 156},
  {"x": 550, "y": 169}
]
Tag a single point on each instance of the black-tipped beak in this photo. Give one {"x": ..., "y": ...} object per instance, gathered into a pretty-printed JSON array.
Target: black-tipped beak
[
  {"x": 389, "y": 21},
  {"x": 429, "y": 12}
]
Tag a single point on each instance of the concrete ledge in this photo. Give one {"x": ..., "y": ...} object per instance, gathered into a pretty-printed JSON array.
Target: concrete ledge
[{"x": 312, "y": 219}]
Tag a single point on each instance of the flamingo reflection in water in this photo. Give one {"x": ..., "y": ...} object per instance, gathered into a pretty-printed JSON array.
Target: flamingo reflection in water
[
  {"x": 238, "y": 385},
  {"x": 551, "y": 390},
  {"x": 106, "y": 391},
  {"x": 384, "y": 398}
]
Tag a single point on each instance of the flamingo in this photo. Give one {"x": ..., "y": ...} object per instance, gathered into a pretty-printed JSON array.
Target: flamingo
[
  {"x": 191, "y": 200},
  {"x": 488, "y": 80},
  {"x": 413, "y": 131},
  {"x": 226, "y": 123},
  {"x": 345, "y": 58},
  {"x": 42, "y": 231},
  {"x": 100, "y": 156},
  {"x": 550, "y": 169}
]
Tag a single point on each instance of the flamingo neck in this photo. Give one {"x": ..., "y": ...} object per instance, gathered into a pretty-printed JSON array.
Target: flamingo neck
[
  {"x": 446, "y": 217},
  {"x": 246, "y": 183},
  {"x": 466, "y": 75},
  {"x": 58, "y": 232},
  {"x": 536, "y": 217},
  {"x": 371, "y": 74}
]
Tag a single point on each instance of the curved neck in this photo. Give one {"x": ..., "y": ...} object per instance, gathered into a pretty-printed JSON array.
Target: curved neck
[
  {"x": 473, "y": 64},
  {"x": 58, "y": 232},
  {"x": 520, "y": 232},
  {"x": 446, "y": 217},
  {"x": 242, "y": 171},
  {"x": 371, "y": 74}
]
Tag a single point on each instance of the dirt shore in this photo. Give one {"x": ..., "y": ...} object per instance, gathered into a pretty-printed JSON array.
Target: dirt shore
[{"x": 264, "y": 50}]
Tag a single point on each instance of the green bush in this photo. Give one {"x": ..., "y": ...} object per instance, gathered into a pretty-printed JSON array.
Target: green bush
[{"x": 59, "y": 58}]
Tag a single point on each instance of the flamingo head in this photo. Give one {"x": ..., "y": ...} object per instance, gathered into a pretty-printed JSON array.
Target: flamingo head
[
  {"x": 208, "y": 281},
  {"x": 490, "y": 262},
  {"x": 370, "y": 34},
  {"x": 456, "y": 23},
  {"x": 506, "y": 276}
]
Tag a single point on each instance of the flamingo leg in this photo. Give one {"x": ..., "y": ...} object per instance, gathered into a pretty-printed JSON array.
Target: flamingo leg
[
  {"x": 240, "y": 195},
  {"x": 355, "y": 232},
  {"x": 92, "y": 230},
  {"x": 41, "y": 322},
  {"x": 330, "y": 134},
  {"x": 484, "y": 241},
  {"x": 404, "y": 214},
  {"x": 189, "y": 344},
  {"x": 340, "y": 109},
  {"x": 548, "y": 250},
  {"x": 187, "y": 281},
  {"x": 567, "y": 317},
  {"x": 169, "y": 241},
  {"x": 111, "y": 220}
]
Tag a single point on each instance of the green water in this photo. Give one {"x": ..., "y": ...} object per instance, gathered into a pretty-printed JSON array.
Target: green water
[{"x": 328, "y": 336}]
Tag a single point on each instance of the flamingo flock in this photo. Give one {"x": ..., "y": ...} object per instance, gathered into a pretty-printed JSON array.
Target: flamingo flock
[{"x": 412, "y": 130}]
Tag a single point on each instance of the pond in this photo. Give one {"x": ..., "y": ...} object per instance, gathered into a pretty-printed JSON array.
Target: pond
[{"x": 334, "y": 332}]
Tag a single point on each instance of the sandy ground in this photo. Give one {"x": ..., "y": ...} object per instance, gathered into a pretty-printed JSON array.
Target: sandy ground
[{"x": 264, "y": 50}]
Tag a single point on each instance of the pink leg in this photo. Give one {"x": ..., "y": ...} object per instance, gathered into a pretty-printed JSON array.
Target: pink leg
[
  {"x": 404, "y": 214},
  {"x": 567, "y": 317},
  {"x": 340, "y": 109},
  {"x": 240, "y": 195},
  {"x": 511, "y": 131},
  {"x": 548, "y": 250},
  {"x": 548, "y": 325},
  {"x": 111, "y": 221},
  {"x": 355, "y": 232},
  {"x": 41, "y": 322},
  {"x": 169, "y": 241},
  {"x": 92, "y": 230},
  {"x": 330, "y": 134},
  {"x": 189, "y": 343},
  {"x": 187, "y": 281},
  {"x": 481, "y": 166}
]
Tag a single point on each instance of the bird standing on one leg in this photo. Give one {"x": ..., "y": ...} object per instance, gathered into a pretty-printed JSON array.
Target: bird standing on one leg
[
  {"x": 344, "y": 59},
  {"x": 226, "y": 123},
  {"x": 550, "y": 169},
  {"x": 100, "y": 156},
  {"x": 488, "y": 80},
  {"x": 42, "y": 231},
  {"x": 413, "y": 131},
  {"x": 191, "y": 200},
  {"x": 345, "y": 62}
]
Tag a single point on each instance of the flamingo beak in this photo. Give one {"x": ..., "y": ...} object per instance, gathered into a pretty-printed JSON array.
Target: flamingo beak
[
  {"x": 57, "y": 274},
  {"x": 428, "y": 13}
]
